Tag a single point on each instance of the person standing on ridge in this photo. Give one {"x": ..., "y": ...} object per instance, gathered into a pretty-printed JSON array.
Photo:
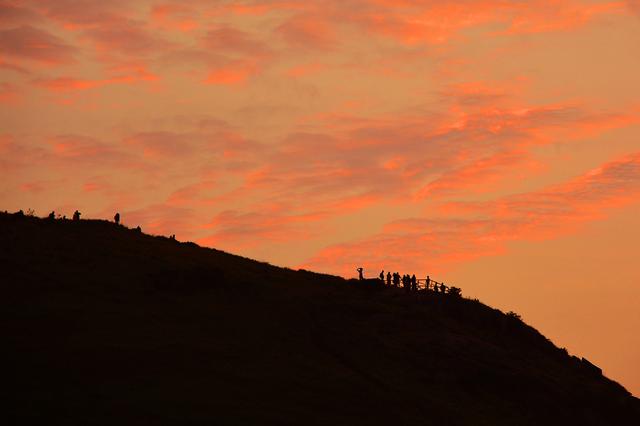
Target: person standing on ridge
[
  {"x": 414, "y": 283},
  {"x": 382, "y": 276},
  {"x": 427, "y": 283},
  {"x": 76, "y": 215},
  {"x": 389, "y": 279},
  {"x": 116, "y": 218},
  {"x": 360, "y": 277}
]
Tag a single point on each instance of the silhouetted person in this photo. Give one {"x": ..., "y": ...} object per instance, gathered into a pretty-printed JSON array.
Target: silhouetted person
[
  {"x": 382, "y": 276},
  {"x": 443, "y": 288},
  {"x": 76, "y": 215},
  {"x": 173, "y": 237},
  {"x": 20, "y": 212},
  {"x": 389, "y": 279},
  {"x": 428, "y": 282},
  {"x": 414, "y": 283},
  {"x": 138, "y": 229},
  {"x": 435, "y": 287},
  {"x": 360, "y": 270},
  {"x": 52, "y": 215},
  {"x": 396, "y": 279},
  {"x": 116, "y": 218}
]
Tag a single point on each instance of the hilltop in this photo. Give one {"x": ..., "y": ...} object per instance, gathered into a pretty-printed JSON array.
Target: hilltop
[{"x": 105, "y": 325}]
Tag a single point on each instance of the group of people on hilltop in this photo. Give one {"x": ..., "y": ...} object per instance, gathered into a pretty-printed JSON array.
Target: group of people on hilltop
[
  {"x": 76, "y": 217},
  {"x": 411, "y": 284}
]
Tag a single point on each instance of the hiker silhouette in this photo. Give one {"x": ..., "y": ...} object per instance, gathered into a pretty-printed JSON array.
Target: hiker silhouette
[
  {"x": 52, "y": 215},
  {"x": 427, "y": 282},
  {"x": 389, "y": 279},
  {"x": 76, "y": 215},
  {"x": 382, "y": 275},
  {"x": 360, "y": 270},
  {"x": 414, "y": 283},
  {"x": 406, "y": 282},
  {"x": 116, "y": 218}
]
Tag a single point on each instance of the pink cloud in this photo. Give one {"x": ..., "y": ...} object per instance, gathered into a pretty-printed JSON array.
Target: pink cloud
[
  {"x": 85, "y": 152},
  {"x": 69, "y": 83},
  {"x": 234, "y": 41},
  {"x": 161, "y": 219},
  {"x": 305, "y": 70},
  {"x": 175, "y": 16},
  {"x": 9, "y": 93},
  {"x": 79, "y": 14},
  {"x": 33, "y": 187},
  {"x": 478, "y": 175},
  {"x": 192, "y": 193},
  {"x": 15, "y": 155},
  {"x": 125, "y": 37},
  {"x": 12, "y": 14},
  {"x": 473, "y": 229},
  {"x": 122, "y": 75},
  {"x": 167, "y": 145},
  {"x": 27, "y": 42},
  {"x": 550, "y": 16},
  {"x": 231, "y": 74},
  {"x": 307, "y": 31},
  {"x": 246, "y": 230}
]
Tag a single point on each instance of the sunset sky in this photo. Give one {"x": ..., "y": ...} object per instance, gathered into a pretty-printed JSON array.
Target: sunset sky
[{"x": 494, "y": 145}]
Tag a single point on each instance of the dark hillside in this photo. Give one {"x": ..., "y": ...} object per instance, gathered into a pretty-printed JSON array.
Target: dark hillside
[{"x": 106, "y": 325}]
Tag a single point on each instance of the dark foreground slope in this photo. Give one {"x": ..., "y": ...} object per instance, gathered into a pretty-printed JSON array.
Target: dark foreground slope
[{"x": 104, "y": 325}]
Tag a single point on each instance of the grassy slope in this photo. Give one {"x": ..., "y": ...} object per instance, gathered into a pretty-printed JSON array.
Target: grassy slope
[{"x": 104, "y": 325}]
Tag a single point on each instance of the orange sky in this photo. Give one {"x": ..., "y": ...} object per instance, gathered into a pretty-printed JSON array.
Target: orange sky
[{"x": 492, "y": 144}]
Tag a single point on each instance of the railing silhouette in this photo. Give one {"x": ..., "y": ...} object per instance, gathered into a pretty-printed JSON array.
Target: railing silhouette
[{"x": 421, "y": 285}]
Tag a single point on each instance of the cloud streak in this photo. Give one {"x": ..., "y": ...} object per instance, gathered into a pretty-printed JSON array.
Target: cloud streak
[{"x": 469, "y": 230}]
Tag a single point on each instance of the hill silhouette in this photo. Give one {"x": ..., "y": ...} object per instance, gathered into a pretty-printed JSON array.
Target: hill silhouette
[{"x": 104, "y": 325}]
